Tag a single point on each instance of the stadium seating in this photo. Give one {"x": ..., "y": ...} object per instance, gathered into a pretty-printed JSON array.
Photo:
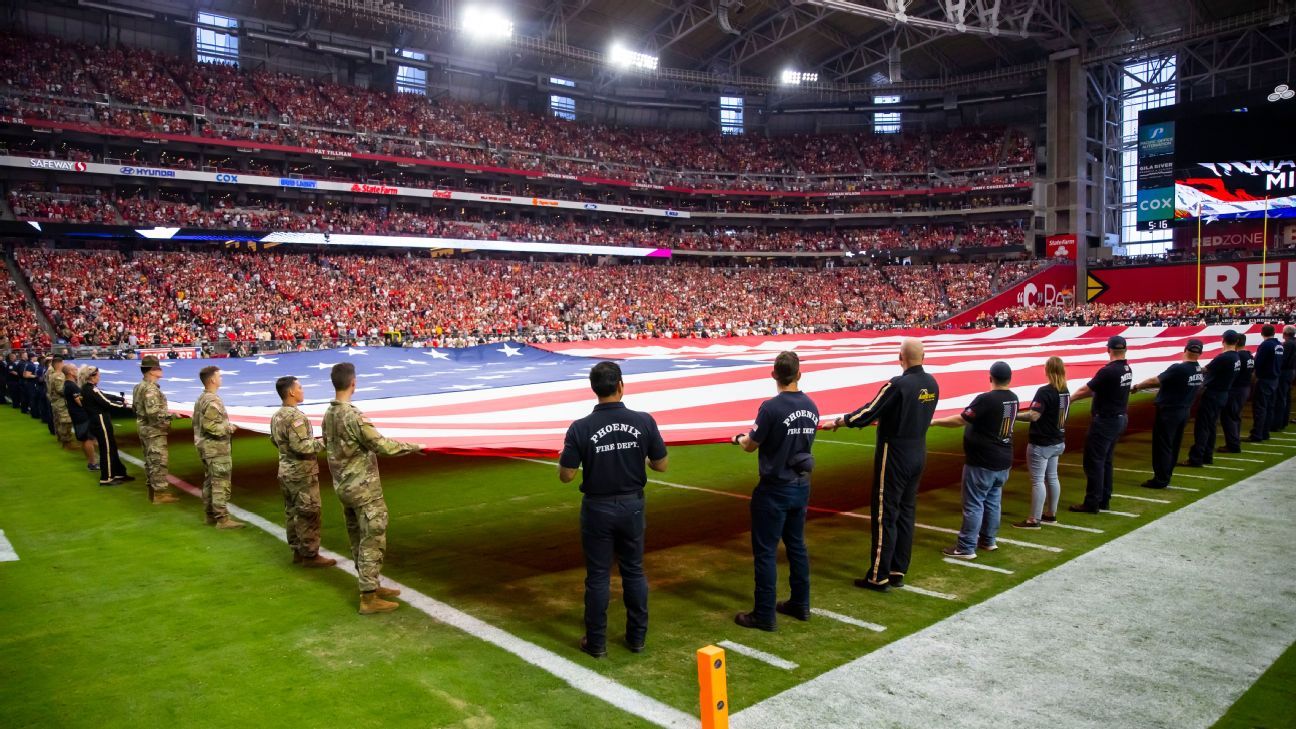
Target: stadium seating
[
  {"x": 180, "y": 297},
  {"x": 18, "y": 328},
  {"x": 230, "y": 103}
]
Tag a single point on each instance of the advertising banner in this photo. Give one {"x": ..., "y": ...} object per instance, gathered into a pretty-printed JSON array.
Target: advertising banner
[
  {"x": 1219, "y": 283},
  {"x": 1060, "y": 247},
  {"x": 1054, "y": 285}
]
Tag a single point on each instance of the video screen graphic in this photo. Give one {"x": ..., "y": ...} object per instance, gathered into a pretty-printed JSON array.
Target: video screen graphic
[{"x": 1244, "y": 190}]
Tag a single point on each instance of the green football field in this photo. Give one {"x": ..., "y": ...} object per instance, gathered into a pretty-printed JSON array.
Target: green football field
[{"x": 121, "y": 613}]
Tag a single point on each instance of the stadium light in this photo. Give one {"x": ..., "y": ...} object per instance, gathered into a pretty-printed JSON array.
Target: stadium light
[
  {"x": 486, "y": 24},
  {"x": 623, "y": 57},
  {"x": 794, "y": 78}
]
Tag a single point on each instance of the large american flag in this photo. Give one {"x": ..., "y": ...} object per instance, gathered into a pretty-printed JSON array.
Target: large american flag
[{"x": 515, "y": 399}]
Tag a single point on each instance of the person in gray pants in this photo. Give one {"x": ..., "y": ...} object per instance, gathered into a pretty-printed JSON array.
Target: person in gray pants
[{"x": 1047, "y": 415}]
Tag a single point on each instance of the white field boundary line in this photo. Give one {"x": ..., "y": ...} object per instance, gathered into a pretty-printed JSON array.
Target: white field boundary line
[
  {"x": 1222, "y": 468},
  {"x": 761, "y": 656},
  {"x": 847, "y": 619},
  {"x": 1182, "y": 488},
  {"x": 7, "y": 553},
  {"x": 1265, "y": 447},
  {"x": 1141, "y": 498},
  {"x": 1241, "y": 460},
  {"x": 974, "y": 565},
  {"x": 575, "y": 675},
  {"x": 929, "y": 593},
  {"x": 817, "y": 509}
]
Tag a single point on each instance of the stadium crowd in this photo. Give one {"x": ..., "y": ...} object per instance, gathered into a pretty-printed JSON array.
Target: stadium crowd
[
  {"x": 184, "y": 298},
  {"x": 18, "y": 327},
  {"x": 1161, "y": 313},
  {"x": 226, "y": 102}
]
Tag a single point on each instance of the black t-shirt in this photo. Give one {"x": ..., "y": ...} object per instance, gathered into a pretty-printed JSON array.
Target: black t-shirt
[
  {"x": 785, "y": 428},
  {"x": 1179, "y": 385},
  {"x": 987, "y": 437},
  {"x": 1289, "y": 355},
  {"x": 76, "y": 411},
  {"x": 1243, "y": 379},
  {"x": 1268, "y": 359},
  {"x": 1111, "y": 388},
  {"x": 610, "y": 445},
  {"x": 1053, "y": 407},
  {"x": 1222, "y": 370}
]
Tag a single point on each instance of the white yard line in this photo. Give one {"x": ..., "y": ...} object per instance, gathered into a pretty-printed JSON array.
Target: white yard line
[
  {"x": 1072, "y": 527},
  {"x": 1266, "y": 446},
  {"x": 1182, "y": 472},
  {"x": 1222, "y": 468},
  {"x": 1182, "y": 488},
  {"x": 1119, "y": 513},
  {"x": 1242, "y": 460},
  {"x": 975, "y": 565},
  {"x": 847, "y": 619},
  {"x": 818, "y": 509},
  {"x": 1177, "y": 656},
  {"x": 7, "y": 553},
  {"x": 929, "y": 593},
  {"x": 577, "y": 676},
  {"x": 761, "y": 656},
  {"x": 1140, "y": 498}
]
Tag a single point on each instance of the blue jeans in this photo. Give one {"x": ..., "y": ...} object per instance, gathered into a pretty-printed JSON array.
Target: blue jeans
[
  {"x": 779, "y": 512},
  {"x": 614, "y": 528},
  {"x": 982, "y": 496},
  {"x": 1042, "y": 460}
]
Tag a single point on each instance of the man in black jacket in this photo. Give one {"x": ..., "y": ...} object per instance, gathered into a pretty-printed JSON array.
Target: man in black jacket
[
  {"x": 903, "y": 411},
  {"x": 1268, "y": 363},
  {"x": 1282, "y": 412}
]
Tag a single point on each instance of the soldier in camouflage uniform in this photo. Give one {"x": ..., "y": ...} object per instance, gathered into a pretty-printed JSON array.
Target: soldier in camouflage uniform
[
  {"x": 54, "y": 380},
  {"x": 153, "y": 421},
  {"x": 212, "y": 430},
  {"x": 353, "y": 447},
  {"x": 291, "y": 433}
]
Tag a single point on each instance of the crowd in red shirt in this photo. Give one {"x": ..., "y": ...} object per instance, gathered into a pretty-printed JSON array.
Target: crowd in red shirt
[{"x": 106, "y": 298}]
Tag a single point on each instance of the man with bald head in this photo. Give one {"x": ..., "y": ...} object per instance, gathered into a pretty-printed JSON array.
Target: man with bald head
[{"x": 903, "y": 410}]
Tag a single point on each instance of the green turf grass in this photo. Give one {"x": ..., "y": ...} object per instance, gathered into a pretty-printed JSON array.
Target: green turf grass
[
  {"x": 497, "y": 538},
  {"x": 1271, "y": 702}
]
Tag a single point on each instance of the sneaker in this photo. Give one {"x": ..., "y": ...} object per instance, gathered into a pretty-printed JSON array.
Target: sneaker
[
  {"x": 1051, "y": 519},
  {"x": 108, "y": 482},
  {"x": 124, "y": 479},
  {"x": 1027, "y": 524},
  {"x": 868, "y": 584},
  {"x": 957, "y": 553},
  {"x": 896, "y": 579},
  {"x": 92, "y": 466},
  {"x": 785, "y": 607},
  {"x": 747, "y": 620},
  {"x": 987, "y": 547},
  {"x": 1082, "y": 509}
]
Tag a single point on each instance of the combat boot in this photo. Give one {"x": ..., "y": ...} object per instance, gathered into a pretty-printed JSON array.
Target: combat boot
[
  {"x": 387, "y": 592},
  {"x": 319, "y": 561},
  {"x": 229, "y": 523},
  {"x": 163, "y": 497},
  {"x": 371, "y": 604}
]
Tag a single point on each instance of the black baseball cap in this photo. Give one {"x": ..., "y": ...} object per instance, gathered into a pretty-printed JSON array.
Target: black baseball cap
[
  {"x": 1001, "y": 372},
  {"x": 1116, "y": 342},
  {"x": 1195, "y": 345}
]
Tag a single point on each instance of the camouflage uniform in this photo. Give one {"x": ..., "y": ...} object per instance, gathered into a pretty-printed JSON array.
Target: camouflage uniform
[
  {"x": 353, "y": 447},
  {"x": 154, "y": 421},
  {"x": 292, "y": 434},
  {"x": 58, "y": 405},
  {"x": 212, "y": 430}
]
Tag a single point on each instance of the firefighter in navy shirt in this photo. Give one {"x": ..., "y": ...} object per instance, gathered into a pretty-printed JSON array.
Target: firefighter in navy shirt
[
  {"x": 1110, "y": 389},
  {"x": 1268, "y": 363},
  {"x": 1231, "y": 418},
  {"x": 1286, "y": 373},
  {"x": 903, "y": 411},
  {"x": 1178, "y": 385},
  {"x": 784, "y": 434},
  {"x": 611, "y": 445},
  {"x": 1220, "y": 373},
  {"x": 988, "y": 455}
]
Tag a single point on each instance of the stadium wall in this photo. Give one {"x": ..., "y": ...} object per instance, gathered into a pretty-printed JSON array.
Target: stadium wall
[
  {"x": 1217, "y": 283},
  {"x": 1051, "y": 286}
]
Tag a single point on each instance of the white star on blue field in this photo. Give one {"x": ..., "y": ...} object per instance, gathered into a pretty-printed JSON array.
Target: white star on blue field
[{"x": 389, "y": 372}]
